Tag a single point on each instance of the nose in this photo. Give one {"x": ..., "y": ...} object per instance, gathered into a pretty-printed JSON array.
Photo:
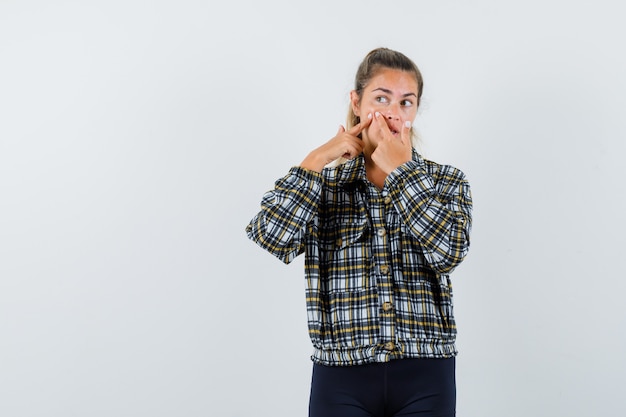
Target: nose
[{"x": 393, "y": 112}]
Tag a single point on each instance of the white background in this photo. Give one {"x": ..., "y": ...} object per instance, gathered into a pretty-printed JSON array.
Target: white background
[{"x": 136, "y": 141}]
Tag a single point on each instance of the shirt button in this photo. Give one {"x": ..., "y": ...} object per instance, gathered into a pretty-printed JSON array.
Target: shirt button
[
  {"x": 339, "y": 242},
  {"x": 384, "y": 269},
  {"x": 381, "y": 232},
  {"x": 387, "y": 200},
  {"x": 387, "y": 306},
  {"x": 389, "y": 346}
]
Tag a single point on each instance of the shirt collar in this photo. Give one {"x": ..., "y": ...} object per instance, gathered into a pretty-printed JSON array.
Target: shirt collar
[{"x": 352, "y": 172}]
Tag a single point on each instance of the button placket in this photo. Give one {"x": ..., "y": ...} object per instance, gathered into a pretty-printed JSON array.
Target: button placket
[{"x": 378, "y": 207}]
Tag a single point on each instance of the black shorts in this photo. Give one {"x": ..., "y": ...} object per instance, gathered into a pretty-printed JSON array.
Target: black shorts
[{"x": 404, "y": 387}]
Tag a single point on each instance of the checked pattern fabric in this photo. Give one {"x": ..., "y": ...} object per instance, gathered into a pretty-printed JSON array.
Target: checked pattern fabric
[{"x": 377, "y": 262}]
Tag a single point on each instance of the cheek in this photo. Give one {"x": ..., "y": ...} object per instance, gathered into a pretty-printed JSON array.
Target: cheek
[
  {"x": 410, "y": 115},
  {"x": 370, "y": 108}
]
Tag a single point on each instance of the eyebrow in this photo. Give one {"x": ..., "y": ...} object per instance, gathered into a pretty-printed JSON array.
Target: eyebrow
[{"x": 387, "y": 91}]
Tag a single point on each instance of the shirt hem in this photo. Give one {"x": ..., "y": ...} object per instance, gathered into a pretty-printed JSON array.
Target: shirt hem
[{"x": 422, "y": 349}]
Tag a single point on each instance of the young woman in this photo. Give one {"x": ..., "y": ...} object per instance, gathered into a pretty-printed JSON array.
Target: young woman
[{"x": 381, "y": 232}]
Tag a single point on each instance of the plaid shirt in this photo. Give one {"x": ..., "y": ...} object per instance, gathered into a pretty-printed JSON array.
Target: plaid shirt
[{"x": 377, "y": 262}]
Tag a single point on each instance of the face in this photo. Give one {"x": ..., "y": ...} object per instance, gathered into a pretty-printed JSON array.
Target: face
[{"x": 391, "y": 92}]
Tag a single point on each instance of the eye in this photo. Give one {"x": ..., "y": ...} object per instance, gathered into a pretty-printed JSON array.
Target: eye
[
  {"x": 381, "y": 99},
  {"x": 406, "y": 103}
]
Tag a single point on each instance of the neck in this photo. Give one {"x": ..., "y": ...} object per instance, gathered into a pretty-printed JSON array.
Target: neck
[{"x": 374, "y": 173}]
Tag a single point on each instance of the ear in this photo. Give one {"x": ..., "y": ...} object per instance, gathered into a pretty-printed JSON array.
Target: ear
[{"x": 355, "y": 101}]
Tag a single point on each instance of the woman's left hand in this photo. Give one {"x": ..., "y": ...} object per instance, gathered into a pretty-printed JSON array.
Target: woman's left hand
[{"x": 392, "y": 151}]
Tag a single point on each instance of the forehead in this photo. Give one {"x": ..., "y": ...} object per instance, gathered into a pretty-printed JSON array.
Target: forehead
[{"x": 397, "y": 81}]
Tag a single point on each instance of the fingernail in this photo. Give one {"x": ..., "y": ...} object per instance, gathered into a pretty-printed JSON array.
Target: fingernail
[
  {"x": 407, "y": 124},
  {"x": 377, "y": 114},
  {"x": 369, "y": 115}
]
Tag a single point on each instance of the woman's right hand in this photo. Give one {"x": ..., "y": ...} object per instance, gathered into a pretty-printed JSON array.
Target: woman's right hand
[{"x": 345, "y": 144}]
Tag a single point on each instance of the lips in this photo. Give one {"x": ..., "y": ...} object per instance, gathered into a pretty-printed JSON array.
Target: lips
[{"x": 395, "y": 129}]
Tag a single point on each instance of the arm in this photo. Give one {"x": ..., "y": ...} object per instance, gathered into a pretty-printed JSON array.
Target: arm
[
  {"x": 280, "y": 226},
  {"x": 437, "y": 210}
]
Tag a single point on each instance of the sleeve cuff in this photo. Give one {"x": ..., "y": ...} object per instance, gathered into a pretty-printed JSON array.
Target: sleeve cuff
[
  {"x": 298, "y": 177},
  {"x": 411, "y": 170}
]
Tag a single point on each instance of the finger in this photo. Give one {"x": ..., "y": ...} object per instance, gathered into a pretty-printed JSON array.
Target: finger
[
  {"x": 358, "y": 128},
  {"x": 383, "y": 126},
  {"x": 405, "y": 134},
  {"x": 353, "y": 149}
]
